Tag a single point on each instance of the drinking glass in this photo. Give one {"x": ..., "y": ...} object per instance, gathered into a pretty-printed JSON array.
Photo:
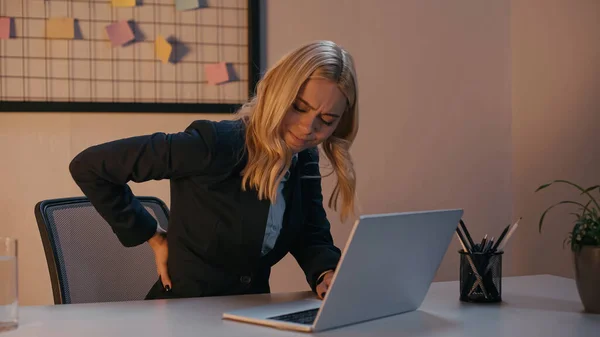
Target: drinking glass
[{"x": 9, "y": 300}]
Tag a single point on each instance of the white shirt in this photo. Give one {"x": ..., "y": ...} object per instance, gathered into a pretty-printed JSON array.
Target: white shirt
[{"x": 276, "y": 212}]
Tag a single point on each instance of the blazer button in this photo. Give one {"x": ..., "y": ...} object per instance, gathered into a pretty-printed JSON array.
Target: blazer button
[{"x": 245, "y": 279}]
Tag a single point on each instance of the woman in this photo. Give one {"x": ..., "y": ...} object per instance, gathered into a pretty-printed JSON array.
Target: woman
[{"x": 244, "y": 192}]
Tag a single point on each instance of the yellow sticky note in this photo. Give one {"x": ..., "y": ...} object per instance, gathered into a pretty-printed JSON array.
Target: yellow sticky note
[
  {"x": 123, "y": 3},
  {"x": 60, "y": 28},
  {"x": 163, "y": 49}
]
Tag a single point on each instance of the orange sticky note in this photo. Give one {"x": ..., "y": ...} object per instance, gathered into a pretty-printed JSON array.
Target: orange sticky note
[
  {"x": 163, "y": 49},
  {"x": 4, "y": 28},
  {"x": 60, "y": 28},
  {"x": 216, "y": 73},
  {"x": 123, "y": 3}
]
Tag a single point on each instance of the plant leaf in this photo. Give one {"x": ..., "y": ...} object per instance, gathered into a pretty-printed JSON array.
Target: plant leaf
[
  {"x": 572, "y": 184},
  {"x": 586, "y": 208},
  {"x": 565, "y": 242},
  {"x": 589, "y": 189},
  {"x": 549, "y": 208},
  {"x": 543, "y": 186}
]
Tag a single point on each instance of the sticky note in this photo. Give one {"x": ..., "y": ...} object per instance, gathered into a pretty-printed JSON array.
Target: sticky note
[
  {"x": 119, "y": 33},
  {"x": 216, "y": 73},
  {"x": 163, "y": 49},
  {"x": 123, "y": 3},
  {"x": 60, "y": 28},
  {"x": 184, "y": 5},
  {"x": 4, "y": 28}
]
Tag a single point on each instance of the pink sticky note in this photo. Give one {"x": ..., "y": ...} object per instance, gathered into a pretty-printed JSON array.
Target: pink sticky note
[
  {"x": 216, "y": 73},
  {"x": 119, "y": 33},
  {"x": 4, "y": 28}
]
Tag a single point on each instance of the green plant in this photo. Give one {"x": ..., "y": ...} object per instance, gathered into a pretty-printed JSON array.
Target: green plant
[{"x": 586, "y": 229}]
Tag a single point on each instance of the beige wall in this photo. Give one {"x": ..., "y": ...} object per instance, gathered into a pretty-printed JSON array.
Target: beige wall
[
  {"x": 435, "y": 106},
  {"x": 438, "y": 125},
  {"x": 556, "y": 120}
]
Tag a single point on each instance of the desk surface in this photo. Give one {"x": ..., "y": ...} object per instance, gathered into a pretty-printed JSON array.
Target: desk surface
[{"x": 540, "y": 305}]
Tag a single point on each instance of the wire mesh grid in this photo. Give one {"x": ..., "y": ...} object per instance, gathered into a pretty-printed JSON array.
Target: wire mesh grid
[{"x": 88, "y": 69}]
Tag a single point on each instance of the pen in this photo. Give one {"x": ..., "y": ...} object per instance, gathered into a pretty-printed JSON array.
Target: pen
[
  {"x": 501, "y": 237},
  {"x": 464, "y": 228},
  {"x": 510, "y": 233},
  {"x": 483, "y": 242},
  {"x": 462, "y": 241},
  {"x": 488, "y": 245}
]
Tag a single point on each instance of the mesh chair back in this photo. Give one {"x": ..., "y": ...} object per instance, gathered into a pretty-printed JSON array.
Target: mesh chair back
[{"x": 86, "y": 261}]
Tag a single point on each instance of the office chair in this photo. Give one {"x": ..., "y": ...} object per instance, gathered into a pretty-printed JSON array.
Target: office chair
[{"x": 86, "y": 261}]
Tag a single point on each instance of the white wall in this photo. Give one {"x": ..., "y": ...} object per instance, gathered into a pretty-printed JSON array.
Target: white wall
[{"x": 434, "y": 81}]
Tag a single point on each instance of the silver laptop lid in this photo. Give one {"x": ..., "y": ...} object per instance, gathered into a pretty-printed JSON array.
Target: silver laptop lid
[{"x": 388, "y": 265}]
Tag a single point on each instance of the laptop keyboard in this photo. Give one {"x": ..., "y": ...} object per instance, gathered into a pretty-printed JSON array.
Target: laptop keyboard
[{"x": 302, "y": 317}]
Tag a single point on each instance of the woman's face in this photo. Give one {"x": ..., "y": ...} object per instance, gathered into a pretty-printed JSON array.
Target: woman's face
[{"x": 314, "y": 115}]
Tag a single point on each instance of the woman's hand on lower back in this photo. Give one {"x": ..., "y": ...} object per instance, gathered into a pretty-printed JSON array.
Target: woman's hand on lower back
[{"x": 159, "y": 245}]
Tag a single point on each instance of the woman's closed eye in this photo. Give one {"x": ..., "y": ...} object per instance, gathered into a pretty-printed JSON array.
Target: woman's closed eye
[
  {"x": 297, "y": 107},
  {"x": 327, "y": 119}
]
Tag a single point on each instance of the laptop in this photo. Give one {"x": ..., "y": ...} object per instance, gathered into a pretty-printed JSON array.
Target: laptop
[{"x": 385, "y": 269}]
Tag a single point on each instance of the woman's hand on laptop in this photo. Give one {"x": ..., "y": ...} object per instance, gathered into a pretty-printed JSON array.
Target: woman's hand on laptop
[{"x": 323, "y": 286}]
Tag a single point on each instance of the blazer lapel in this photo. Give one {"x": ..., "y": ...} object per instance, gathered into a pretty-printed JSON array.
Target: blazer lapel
[
  {"x": 293, "y": 211},
  {"x": 254, "y": 222}
]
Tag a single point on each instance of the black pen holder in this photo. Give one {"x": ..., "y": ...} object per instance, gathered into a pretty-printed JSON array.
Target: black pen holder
[{"x": 480, "y": 277}]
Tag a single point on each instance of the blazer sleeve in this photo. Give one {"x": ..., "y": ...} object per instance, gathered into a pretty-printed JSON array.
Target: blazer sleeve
[
  {"x": 103, "y": 171},
  {"x": 314, "y": 248}
]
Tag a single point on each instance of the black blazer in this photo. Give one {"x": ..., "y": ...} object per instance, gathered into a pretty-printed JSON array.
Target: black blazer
[{"x": 215, "y": 229}]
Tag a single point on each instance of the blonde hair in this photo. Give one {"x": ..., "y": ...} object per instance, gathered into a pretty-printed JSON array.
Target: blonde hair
[{"x": 268, "y": 155}]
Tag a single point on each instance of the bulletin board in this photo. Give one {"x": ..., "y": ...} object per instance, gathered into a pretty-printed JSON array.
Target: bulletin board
[{"x": 46, "y": 67}]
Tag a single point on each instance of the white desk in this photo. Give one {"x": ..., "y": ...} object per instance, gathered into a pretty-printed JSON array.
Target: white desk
[{"x": 533, "y": 306}]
